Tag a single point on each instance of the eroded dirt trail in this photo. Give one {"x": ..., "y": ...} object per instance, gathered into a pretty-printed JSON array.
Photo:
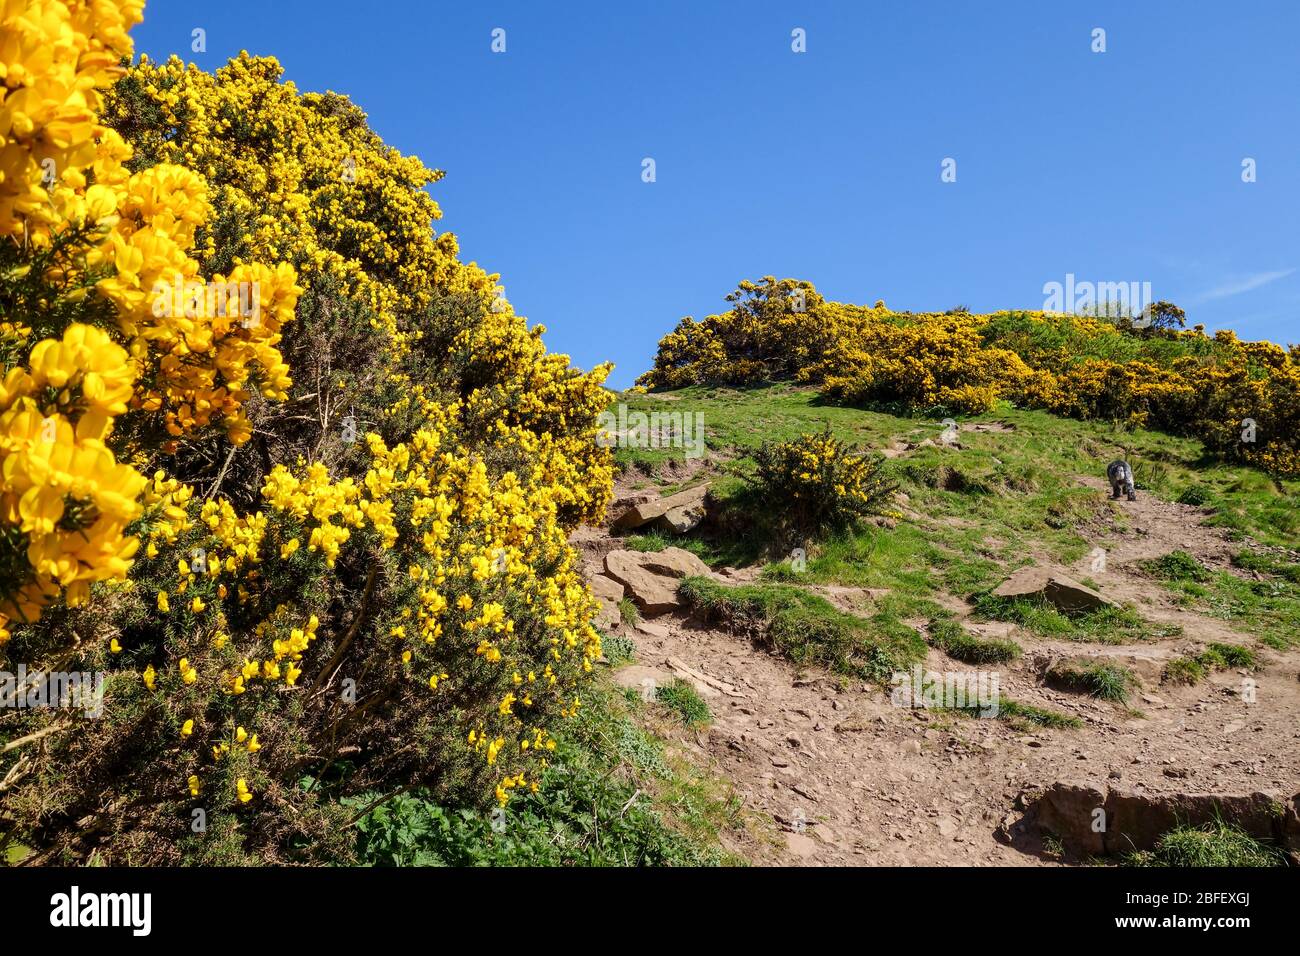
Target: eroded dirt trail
[{"x": 850, "y": 779}]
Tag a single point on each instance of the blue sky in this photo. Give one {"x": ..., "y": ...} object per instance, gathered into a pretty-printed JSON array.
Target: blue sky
[{"x": 825, "y": 165}]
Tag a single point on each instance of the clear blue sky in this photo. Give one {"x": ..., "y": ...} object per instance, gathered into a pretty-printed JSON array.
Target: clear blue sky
[{"x": 825, "y": 165}]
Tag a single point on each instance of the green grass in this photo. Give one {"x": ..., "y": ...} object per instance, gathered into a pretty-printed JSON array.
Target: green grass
[
  {"x": 653, "y": 540},
  {"x": 1106, "y": 681},
  {"x": 684, "y": 702},
  {"x": 1268, "y": 609},
  {"x": 1024, "y": 715},
  {"x": 1215, "y": 657},
  {"x": 611, "y": 797},
  {"x": 627, "y": 611},
  {"x": 1029, "y": 469},
  {"x": 1184, "y": 670},
  {"x": 1040, "y": 716},
  {"x": 1177, "y": 566},
  {"x": 1107, "y": 625},
  {"x": 1016, "y": 493},
  {"x": 901, "y": 559},
  {"x": 1265, "y": 604},
  {"x": 808, "y": 629},
  {"x": 954, "y": 640},
  {"x": 1215, "y": 844},
  {"x": 1269, "y": 564}
]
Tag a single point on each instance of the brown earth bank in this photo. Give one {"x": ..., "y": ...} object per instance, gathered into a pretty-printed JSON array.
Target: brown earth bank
[{"x": 849, "y": 778}]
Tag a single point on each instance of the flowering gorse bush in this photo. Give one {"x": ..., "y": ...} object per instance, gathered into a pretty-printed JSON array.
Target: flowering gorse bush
[
  {"x": 294, "y": 478},
  {"x": 822, "y": 483},
  {"x": 1242, "y": 399}
]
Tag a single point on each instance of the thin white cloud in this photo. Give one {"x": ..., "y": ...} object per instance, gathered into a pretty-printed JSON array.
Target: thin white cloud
[{"x": 1241, "y": 284}]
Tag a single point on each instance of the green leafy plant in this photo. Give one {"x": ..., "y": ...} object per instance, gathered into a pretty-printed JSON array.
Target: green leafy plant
[{"x": 684, "y": 700}]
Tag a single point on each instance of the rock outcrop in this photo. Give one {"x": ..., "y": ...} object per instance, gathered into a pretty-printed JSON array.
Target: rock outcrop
[
  {"x": 650, "y": 578},
  {"x": 677, "y": 513},
  {"x": 608, "y": 592},
  {"x": 1092, "y": 821},
  {"x": 1055, "y": 587}
]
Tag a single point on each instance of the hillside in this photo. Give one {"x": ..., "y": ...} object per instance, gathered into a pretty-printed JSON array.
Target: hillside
[
  {"x": 313, "y": 554},
  {"x": 1182, "y": 690}
]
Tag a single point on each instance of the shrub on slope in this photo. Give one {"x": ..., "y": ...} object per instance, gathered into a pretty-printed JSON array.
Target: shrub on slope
[
  {"x": 1242, "y": 399},
  {"x": 276, "y": 464}
]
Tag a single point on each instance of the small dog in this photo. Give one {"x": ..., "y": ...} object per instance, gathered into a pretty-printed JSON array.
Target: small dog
[{"x": 1120, "y": 476}]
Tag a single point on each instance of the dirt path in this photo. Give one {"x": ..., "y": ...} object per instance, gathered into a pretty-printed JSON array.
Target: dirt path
[{"x": 850, "y": 779}]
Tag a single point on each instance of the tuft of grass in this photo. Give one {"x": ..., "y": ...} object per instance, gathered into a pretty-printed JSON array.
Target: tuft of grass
[
  {"x": 1107, "y": 625},
  {"x": 808, "y": 629},
  {"x": 627, "y": 611},
  {"x": 1176, "y": 566},
  {"x": 1215, "y": 657},
  {"x": 1183, "y": 670},
  {"x": 1106, "y": 681},
  {"x": 1040, "y": 716},
  {"x": 653, "y": 540},
  {"x": 1019, "y": 714},
  {"x": 1197, "y": 495},
  {"x": 1215, "y": 844},
  {"x": 685, "y": 702},
  {"x": 1229, "y": 655},
  {"x": 958, "y": 643}
]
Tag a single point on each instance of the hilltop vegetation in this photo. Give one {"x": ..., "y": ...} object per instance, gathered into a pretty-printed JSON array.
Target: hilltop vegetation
[{"x": 1241, "y": 399}]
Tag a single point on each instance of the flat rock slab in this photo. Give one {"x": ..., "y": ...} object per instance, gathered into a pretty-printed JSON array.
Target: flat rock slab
[
  {"x": 681, "y": 519},
  {"x": 651, "y": 577},
  {"x": 1055, "y": 587},
  {"x": 652, "y": 629},
  {"x": 606, "y": 588},
  {"x": 607, "y": 593},
  {"x": 683, "y": 502}
]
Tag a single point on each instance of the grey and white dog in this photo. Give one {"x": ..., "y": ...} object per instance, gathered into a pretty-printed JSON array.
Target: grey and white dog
[{"x": 1120, "y": 475}]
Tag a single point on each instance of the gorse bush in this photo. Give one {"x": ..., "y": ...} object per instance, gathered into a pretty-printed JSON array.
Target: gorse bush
[
  {"x": 937, "y": 364},
  {"x": 821, "y": 483},
  {"x": 276, "y": 463},
  {"x": 1242, "y": 399}
]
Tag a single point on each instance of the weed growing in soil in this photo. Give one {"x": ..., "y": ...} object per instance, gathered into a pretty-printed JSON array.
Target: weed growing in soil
[
  {"x": 685, "y": 702},
  {"x": 1215, "y": 844},
  {"x": 1106, "y": 681},
  {"x": 611, "y": 798},
  {"x": 1176, "y": 566}
]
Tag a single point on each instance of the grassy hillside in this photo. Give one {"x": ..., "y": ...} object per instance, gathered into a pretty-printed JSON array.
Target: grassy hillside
[{"x": 1008, "y": 498}]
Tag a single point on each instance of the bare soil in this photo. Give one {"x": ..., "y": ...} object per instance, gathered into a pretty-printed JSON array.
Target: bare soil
[{"x": 850, "y": 779}]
